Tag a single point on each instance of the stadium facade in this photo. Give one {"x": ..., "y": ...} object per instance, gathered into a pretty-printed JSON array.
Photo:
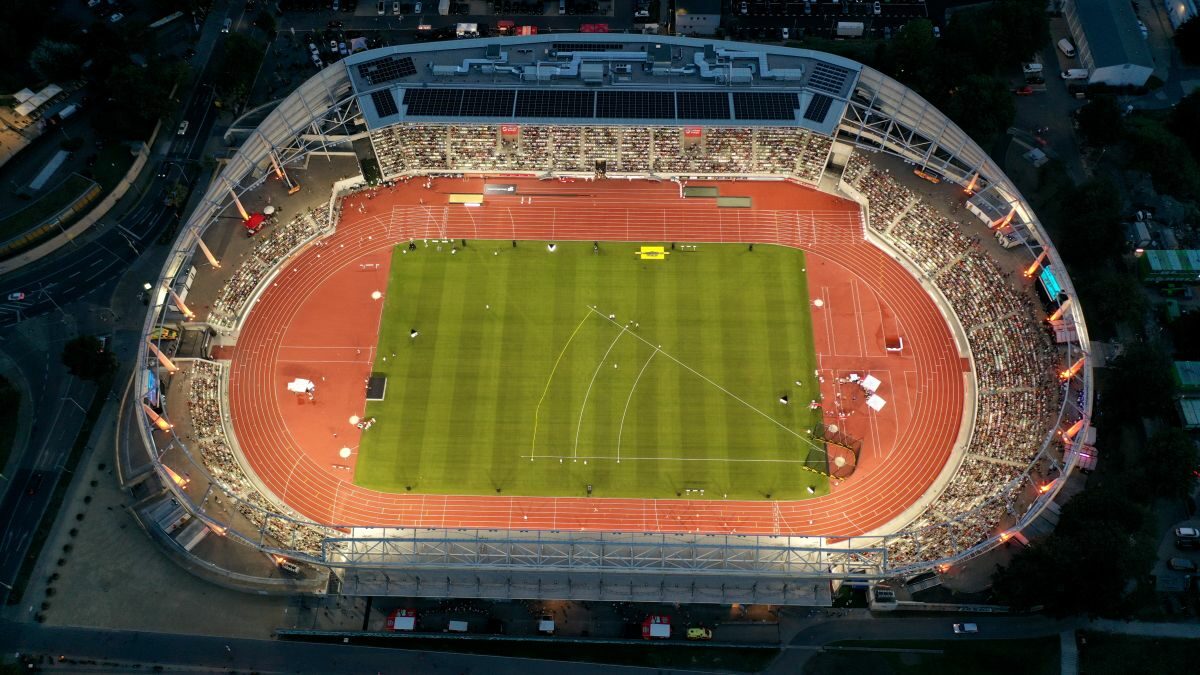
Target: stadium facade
[{"x": 567, "y": 105}]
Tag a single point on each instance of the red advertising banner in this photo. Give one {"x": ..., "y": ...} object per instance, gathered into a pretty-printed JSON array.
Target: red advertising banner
[
  {"x": 509, "y": 129},
  {"x": 693, "y": 132}
]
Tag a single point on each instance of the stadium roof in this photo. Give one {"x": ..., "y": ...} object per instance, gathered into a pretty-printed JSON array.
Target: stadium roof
[
  {"x": 1112, "y": 33},
  {"x": 1187, "y": 376},
  {"x": 602, "y": 78}
]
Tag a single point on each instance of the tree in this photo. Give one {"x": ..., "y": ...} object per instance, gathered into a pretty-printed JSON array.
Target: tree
[
  {"x": 914, "y": 55},
  {"x": 1183, "y": 122},
  {"x": 53, "y": 60},
  {"x": 1110, "y": 298},
  {"x": 1169, "y": 458},
  {"x": 1142, "y": 384},
  {"x": 1100, "y": 121},
  {"x": 238, "y": 65},
  {"x": 1187, "y": 40},
  {"x": 1085, "y": 565},
  {"x": 1087, "y": 216},
  {"x": 1154, "y": 149},
  {"x": 86, "y": 358},
  {"x": 1183, "y": 334},
  {"x": 1025, "y": 28},
  {"x": 137, "y": 97},
  {"x": 982, "y": 105}
]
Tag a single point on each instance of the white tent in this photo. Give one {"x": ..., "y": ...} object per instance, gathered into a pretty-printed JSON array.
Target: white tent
[
  {"x": 875, "y": 402},
  {"x": 300, "y": 385},
  {"x": 871, "y": 383}
]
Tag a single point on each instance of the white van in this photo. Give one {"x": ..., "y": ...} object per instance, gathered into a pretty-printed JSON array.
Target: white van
[
  {"x": 1075, "y": 74},
  {"x": 457, "y": 627},
  {"x": 1065, "y": 46}
]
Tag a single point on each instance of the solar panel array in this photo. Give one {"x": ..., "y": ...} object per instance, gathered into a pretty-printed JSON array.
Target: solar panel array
[
  {"x": 765, "y": 105},
  {"x": 565, "y": 103},
  {"x": 386, "y": 69},
  {"x": 635, "y": 105},
  {"x": 589, "y": 47},
  {"x": 703, "y": 105},
  {"x": 828, "y": 78},
  {"x": 818, "y": 108},
  {"x": 608, "y": 104},
  {"x": 385, "y": 103}
]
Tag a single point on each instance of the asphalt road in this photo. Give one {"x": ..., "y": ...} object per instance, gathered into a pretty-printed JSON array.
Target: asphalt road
[
  {"x": 93, "y": 263},
  {"x": 265, "y": 656}
]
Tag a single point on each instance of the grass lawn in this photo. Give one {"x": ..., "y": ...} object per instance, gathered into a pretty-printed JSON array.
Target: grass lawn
[
  {"x": 520, "y": 383},
  {"x": 942, "y": 657},
  {"x": 1111, "y": 653},
  {"x": 49, "y": 203},
  {"x": 112, "y": 163}
]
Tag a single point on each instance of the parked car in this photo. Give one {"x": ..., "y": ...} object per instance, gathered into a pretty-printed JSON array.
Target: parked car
[
  {"x": 116, "y": 18},
  {"x": 183, "y": 127},
  {"x": 1023, "y": 91},
  {"x": 16, "y": 297},
  {"x": 1181, "y": 565},
  {"x": 333, "y": 46},
  {"x": 1186, "y": 532},
  {"x": 965, "y": 628},
  {"x": 699, "y": 633}
]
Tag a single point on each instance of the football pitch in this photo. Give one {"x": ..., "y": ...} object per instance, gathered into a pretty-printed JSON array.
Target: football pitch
[{"x": 574, "y": 372}]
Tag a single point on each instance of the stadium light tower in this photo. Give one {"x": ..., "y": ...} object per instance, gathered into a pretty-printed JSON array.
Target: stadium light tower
[
  {"x": 238, "y": 203},
  {"x": 212, "y": 259},
  {"x": 162, "y": 358}
]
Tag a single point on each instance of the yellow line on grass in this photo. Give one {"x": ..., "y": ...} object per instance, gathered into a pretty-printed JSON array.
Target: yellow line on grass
[{"x": 538, "y": 409}]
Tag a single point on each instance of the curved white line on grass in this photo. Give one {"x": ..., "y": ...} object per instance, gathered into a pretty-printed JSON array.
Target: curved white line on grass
[
  {"x": 701, "y": 376},
  {"x": 533, "y": 444},
  {"x": 621, "y": 429},
  {"x": 579, "y": 424}
]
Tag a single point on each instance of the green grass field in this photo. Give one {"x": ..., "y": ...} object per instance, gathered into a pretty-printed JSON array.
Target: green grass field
[{"x": 520, "y": 383}]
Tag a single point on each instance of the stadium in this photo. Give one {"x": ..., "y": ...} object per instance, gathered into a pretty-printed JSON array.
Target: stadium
[{"x": 609, "y": 317}]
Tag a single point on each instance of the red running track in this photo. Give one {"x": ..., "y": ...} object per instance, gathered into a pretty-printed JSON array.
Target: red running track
[{"x": 317, "y": 320}]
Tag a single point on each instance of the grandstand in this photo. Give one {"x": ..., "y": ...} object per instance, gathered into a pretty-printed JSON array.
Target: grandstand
[{"x": 656, "y": 109}]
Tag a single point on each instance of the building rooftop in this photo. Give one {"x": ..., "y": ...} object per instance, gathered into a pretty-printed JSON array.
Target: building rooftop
[
  {"x": 602, "y": 79},
  {"x": 1112, "y": 33}
]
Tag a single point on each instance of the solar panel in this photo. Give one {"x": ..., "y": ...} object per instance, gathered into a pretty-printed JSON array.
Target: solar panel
[
  {"x": 828, "y": 78},
  {"x": 487, "y": 102},
  {"x": 385, "y": 103},
  {"x": 765, "y": 105},
  {"x": 703, "y": 105},
  {"x": 543, "y": 103},
  {"x": 386, "y": 69},
  {"x": 638, "y": 105},
  {"x": 818, "y": 108},
  {"x": 588, "y": 47},
  {"x": 432, "y": 102}
]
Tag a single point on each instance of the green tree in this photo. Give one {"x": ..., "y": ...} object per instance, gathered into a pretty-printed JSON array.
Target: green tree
[
  {"x": 1183, "y": 122},
  {"x": 86, "y": 358},
  {"x": 1100, "y": 121},
  {"x": 1187, "y": 40},
  {"x": 1110, "y": 298},
  {"x": 1165, "y": 156},
  {"x": 52, "y": 60},
  {"x": 1087, "y": 219},
  {"x": 238, "y": 65},
  {"x": 1025, "y": 26},
  {"x": 982, "y": 105},
  {"x": 265, "y": 22},
  {"x": 1183, "y": 334},
  {"x": 1085, "y": 565},
  {"x": 914, "y": 56},
  {"x": 1168, "y": 460},
  {"x": 1142, "y": 384},
  {"x": 137, "y": 98}
]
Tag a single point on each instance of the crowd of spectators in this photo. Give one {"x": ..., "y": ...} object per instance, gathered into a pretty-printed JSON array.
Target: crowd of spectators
[
  {"x": 274, "y": 245},
  {"x": 204, "y": 404},
  {"x": 420, "y": 148},
  {"x": 1018, "y": 395}
]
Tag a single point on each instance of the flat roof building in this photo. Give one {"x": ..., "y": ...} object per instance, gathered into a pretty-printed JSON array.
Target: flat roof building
[{"x": 1109, "y": 42}]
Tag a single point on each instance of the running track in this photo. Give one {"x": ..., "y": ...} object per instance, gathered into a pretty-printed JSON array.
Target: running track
[{"x": 317, "y": 320}]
